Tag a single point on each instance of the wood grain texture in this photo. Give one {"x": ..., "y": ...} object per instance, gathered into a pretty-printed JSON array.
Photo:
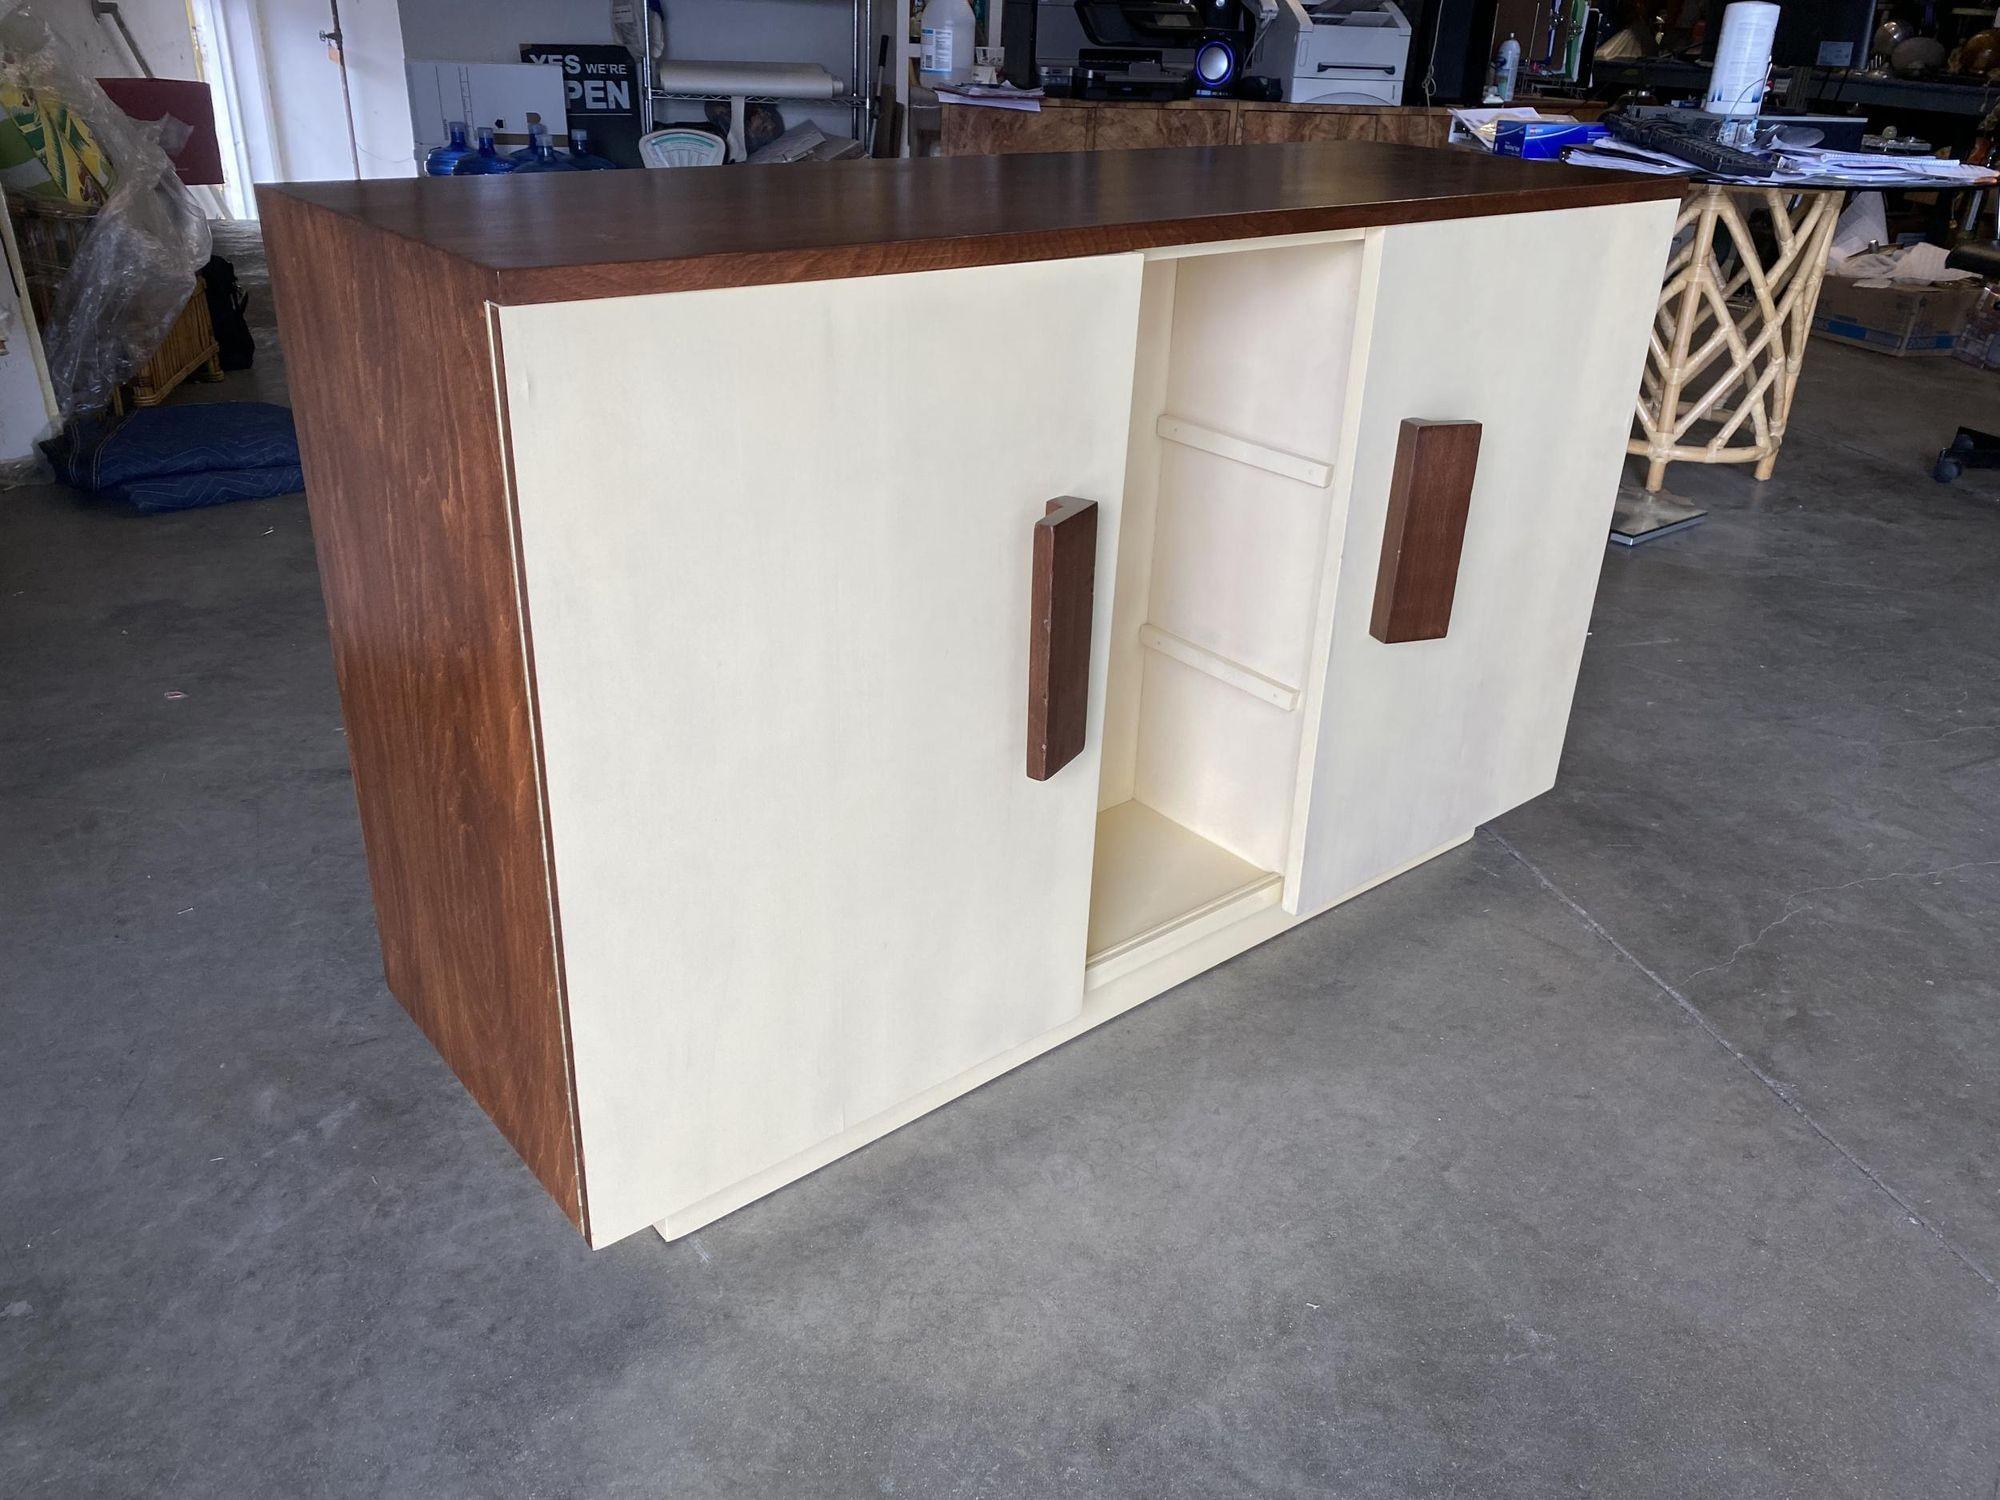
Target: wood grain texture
[
  {"x": 392, "y": 378},
  {"x": 1430, "y": 495},
  {"x": 999, "y": 132},
  {"x": 569, "y": 236},
  {"x": 1265, "y": 127},
  {"x": 1137, "y": 129},
  {"x": 1065, "y": 573},
  {"x": 1108, "y": 125},
  {"x": 1414, "y": 127}
]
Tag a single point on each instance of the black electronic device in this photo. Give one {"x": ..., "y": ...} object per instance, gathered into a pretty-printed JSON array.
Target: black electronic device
[
  {"x": 1110, "y": 37},
  {"x": 1137, "y": 87},
  {"x": 1811, "y": 33},
  {"x": 1836, "y": 132},
  {"x": 1693, "y": 145},
  {"x": 1217, "y": 62},
  {"x": 1451, "y": 52},
  {"x": 1017, "y": 42}
]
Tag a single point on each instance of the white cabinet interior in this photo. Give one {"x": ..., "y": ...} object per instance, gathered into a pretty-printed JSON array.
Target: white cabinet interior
[{"x": 1238, "y": 413}]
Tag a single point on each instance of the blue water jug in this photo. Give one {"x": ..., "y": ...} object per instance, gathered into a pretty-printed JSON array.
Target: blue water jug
[
  {"x": 443, "y": 158},
  {"x": 580, "y": 154},
  {"x": 485, "y": 161},
  {"x": 542, "y": 154}
]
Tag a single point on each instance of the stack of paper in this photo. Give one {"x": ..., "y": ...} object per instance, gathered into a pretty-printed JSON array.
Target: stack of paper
[
  {"x": 1796, "y": 166},
  {"x": 992, "y": 96},
  {"x": 1869, "y": 165}
]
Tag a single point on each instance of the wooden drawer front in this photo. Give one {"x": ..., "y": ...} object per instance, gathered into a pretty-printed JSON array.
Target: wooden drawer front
[
  {"x": 1263, "y": 127},
  {"x": 1413, "y": 127},
  {"x": 971, "y": 131},
  {"x": 1124, "y": 128}
]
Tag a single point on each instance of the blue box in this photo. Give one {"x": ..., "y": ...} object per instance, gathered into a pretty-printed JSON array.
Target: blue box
[{"x": 1543, "y": 140}]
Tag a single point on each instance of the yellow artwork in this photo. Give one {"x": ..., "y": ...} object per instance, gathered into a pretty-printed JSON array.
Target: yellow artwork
[{"x": 60, "y": 140}]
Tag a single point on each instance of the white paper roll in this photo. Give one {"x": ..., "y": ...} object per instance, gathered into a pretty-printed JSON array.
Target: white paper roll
[
  {"x": 1742, "y": 58},
  {"x": 772, "y": 80}
]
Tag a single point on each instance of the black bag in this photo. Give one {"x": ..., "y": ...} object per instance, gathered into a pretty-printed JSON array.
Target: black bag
[{"x": 226, "y": 301}]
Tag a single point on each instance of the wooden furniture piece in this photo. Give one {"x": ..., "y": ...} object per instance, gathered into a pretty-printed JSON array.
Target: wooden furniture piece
[
  {"x": 1100, "y": 125},
  {"x": 1059, "y": 620},
  {"x": 1090, "y": 125},
  {"x": 49, "y": 233},
  {"x": 688, "y": 736},
  {"x": 189, "y": 349},
  {"x": 1730, "y": 331},
  {"x": 1430, "y": 496}
]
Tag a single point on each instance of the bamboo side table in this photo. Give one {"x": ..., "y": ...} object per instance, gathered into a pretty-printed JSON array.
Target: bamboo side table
[{"x": 1731, "y": 328}]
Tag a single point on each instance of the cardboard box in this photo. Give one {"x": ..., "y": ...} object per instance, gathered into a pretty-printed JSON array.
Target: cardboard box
[
  {"x": 503, "y": 95},
  {"x": 1543, "y": 140},
  {"x": 1899, "y": 318},
  {"x": 1979, "y": 342}
]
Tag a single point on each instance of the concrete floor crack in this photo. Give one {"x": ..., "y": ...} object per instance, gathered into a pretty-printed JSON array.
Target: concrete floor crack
[
  {"x": 1776, "y": 1089},
  {"x": 1796, "y": 903}
]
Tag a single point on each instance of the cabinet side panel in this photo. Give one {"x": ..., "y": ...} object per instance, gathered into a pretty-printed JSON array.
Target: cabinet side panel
[{"x": 393, "y": 384}]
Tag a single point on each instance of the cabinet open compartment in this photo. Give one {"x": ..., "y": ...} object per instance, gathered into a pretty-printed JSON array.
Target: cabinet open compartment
[{"x": 1224, "y": 590}]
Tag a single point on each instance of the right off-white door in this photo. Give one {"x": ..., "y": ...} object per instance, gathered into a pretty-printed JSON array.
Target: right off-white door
[
  {"x": 777, "y": 550},
  {"x": 1535, "y": 326}
]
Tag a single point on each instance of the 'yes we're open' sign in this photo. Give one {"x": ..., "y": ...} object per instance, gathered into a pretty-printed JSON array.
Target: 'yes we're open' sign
[{"x": 601, "y": 87}]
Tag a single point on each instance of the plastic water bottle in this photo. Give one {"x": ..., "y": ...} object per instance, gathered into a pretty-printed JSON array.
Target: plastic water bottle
[
  {"x": 485, "y": 161},
  {"x": 949, "y": 33},
  {"x": 443, "y": 158},
  {"x": 542, "y": 155},
  {"x": 1507, "y": 68},
  {"x": 580, "y": 155},
  {"x": 536, "y": 130}
]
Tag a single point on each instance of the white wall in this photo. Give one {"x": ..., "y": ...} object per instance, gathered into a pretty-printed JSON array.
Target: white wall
[
  {"x": 160, "y": 27},
  {"x": 283, "y": 106},
  {"x": 294, "y": 117},
  {"x": 721, "y": 30}
]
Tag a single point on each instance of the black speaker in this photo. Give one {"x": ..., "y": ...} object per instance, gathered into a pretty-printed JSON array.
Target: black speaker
[
  {"x": 1216, "y": 65},
  {"x": 1017, "y": 42}
]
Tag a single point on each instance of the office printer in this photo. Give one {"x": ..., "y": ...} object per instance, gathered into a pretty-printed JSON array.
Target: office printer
[
  {"x": 1336, "y": 51},
  {"x": 1332, "y": 52}
]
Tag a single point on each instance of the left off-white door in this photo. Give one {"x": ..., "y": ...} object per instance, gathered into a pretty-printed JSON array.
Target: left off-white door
[{"x": 777, "y": 546}]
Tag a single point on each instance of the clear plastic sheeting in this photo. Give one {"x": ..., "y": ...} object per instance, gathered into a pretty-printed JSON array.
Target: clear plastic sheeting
[{"x": 135, "y": 260}]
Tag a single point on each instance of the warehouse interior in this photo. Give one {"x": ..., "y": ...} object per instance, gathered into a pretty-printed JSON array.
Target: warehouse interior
[{"x": 1637, "y": 1145}]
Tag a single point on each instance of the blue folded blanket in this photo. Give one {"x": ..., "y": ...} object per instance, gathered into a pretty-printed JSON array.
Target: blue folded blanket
[
  {"x": 177, "y": 457},
  {"x": 186, "y": 491}
]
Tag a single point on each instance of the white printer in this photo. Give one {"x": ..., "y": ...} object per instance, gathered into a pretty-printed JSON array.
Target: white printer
[{"x": 1335, "y": 51}]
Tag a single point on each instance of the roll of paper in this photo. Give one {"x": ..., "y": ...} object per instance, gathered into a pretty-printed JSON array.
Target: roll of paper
[
  {"x": 1742, "y": 59},
  {"x": 769, "y": 80}
]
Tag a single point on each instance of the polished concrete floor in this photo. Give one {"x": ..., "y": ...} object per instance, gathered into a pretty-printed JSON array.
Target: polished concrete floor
[{"x": 1645, "y": 1146}]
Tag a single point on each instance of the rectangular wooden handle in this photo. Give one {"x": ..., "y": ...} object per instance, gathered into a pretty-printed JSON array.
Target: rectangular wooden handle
[
  {"x": 1065, "y": 579},
  {"x": 1430, "y": 495}
]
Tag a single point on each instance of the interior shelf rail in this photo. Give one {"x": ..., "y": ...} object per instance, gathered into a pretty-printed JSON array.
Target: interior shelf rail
[
  {"x": 1241, "y": 450},
  {"x": 1220, "y": 667}
]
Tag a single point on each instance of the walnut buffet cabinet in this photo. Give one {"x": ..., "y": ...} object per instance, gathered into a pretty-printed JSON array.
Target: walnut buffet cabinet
[{"x": 813, "y": 638}]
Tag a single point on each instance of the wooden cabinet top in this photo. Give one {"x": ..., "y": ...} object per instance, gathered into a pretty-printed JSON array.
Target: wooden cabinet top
[
  {"x": 1582, "y": 108},
  {"x": 560, "y": 237}
]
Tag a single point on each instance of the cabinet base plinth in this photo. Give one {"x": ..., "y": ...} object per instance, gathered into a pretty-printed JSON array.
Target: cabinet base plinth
[{"x": 1181, "y": 960}]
